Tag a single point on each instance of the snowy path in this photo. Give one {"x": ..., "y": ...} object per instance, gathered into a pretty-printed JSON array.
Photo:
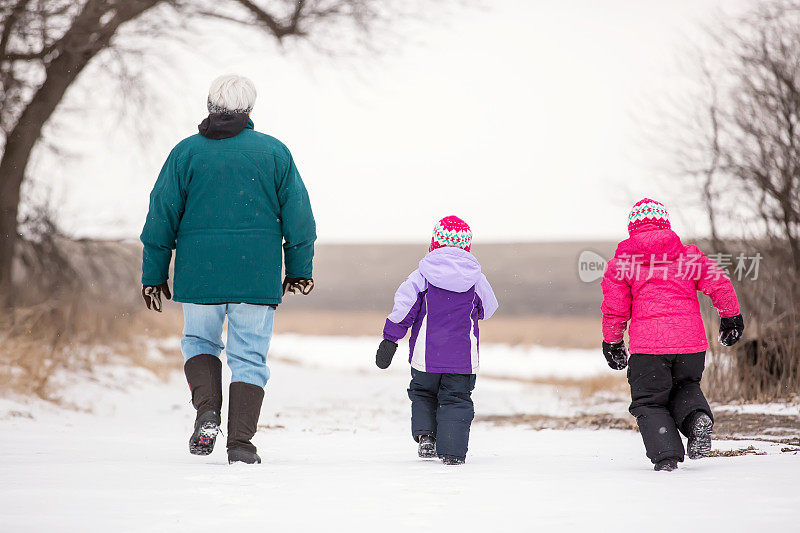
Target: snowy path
[{"x": 338, "y": 457}]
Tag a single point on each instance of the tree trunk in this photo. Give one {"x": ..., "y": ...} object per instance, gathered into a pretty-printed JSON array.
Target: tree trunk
[
  {"x": 19, "y": 146},
  {"x": 80, "y": 44},
  {"x": 10, "y": 183}
]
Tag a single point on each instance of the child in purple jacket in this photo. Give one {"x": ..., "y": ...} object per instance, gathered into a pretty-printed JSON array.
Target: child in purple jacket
[{"x": 441, "y": 302}]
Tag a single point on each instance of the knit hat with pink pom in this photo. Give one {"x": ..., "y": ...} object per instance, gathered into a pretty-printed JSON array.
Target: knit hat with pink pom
[
  {"x": 451, "y": 231},
  {"x": 647, "y": 211}
]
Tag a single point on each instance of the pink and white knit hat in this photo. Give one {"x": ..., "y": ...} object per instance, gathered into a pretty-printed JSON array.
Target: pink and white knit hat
[
  {"x": 647, "y": 211},
  {"x": 451, "y": 231}
]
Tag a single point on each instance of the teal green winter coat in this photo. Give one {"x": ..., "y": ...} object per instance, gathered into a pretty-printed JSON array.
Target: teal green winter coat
[{"x": 228, "y": 207}]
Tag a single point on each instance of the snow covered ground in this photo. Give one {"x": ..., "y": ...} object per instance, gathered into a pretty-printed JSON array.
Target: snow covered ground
[{"x": 334, "y": 436}]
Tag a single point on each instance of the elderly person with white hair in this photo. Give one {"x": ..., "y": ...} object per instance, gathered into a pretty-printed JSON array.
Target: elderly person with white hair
[{"x": 229, "y": 201}]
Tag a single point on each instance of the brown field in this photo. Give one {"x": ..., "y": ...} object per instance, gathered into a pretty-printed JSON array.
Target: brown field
[
  {"x": 542, "y": 300},
  {"x": 556, "y": 331},
  {"x": 530, "y": 279}
]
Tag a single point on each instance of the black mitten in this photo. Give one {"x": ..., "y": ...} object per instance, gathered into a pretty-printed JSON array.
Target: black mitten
[
  {"x": 385, "y": 353},
  {"x": 152, "y": 295},
  {"x": 297, "y": 285},
  {"x": 730, "y": 330},
  {"x": 616, "y": 355}
]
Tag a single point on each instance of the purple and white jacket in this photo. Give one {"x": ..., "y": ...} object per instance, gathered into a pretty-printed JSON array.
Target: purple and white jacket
[{"x": 442, "y": 302}]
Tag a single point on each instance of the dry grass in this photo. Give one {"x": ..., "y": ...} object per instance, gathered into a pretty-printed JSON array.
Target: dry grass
[
  {"x": 737, "y": 374},
  {"x": 72, "y": 334},
  {"x": 613, "y": 384},
  {"x": 76, "y": 304},
  {"x": 580, "y": 421},
  {"x": 732, "y": 423},
  {"x": 779, "y": 429},
  {"x": 750, "y": 450}
]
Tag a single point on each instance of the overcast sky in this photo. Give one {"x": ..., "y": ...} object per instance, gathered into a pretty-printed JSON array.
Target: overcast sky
[{"x": 525, "y": 118}]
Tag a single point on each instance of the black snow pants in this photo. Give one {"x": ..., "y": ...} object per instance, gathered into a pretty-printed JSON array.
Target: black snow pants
[
  {"x": 441, "y": 405},
  {"x": 665, "y": 390}
]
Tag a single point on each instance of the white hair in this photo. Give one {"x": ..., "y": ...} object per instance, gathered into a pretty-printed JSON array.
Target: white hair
[{"x": 231, "y": 93}]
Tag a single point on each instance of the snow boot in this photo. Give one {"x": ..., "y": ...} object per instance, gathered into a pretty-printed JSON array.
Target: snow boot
[
  {"x": 699, "y": 430},
  {"x": 452, "y": 460},
  {"x": 427, "y": 447},
  {"x": 204, "y": 375},
  {"x": 666, "y": 465},
  {"x": 205, "y": 432},
  {"x": 244, "y": 407}
]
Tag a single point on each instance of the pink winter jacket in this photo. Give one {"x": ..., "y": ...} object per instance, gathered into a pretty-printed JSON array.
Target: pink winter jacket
[{"x": 653, "y": 281}]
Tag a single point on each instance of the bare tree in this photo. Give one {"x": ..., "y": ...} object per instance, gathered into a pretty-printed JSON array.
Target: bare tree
[
  {"x": 746, "y": 158},
  {"x": 46, "y": 44}
]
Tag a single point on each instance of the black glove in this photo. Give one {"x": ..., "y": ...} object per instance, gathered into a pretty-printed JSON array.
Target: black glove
[
  {"x": 730, "y": 330},
  {"x": 616, "y": 355},
  {"x": 385, "y": 353},
  {"x": 295, "y": 285},
  {"x": 152, "y": 295}
]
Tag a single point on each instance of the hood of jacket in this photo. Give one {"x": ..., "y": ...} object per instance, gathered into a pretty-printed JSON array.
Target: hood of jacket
[
  {"x": 224, "y": 125},
  {"x": 451, "y": 268},
  {"x": 650, "y": 241}
]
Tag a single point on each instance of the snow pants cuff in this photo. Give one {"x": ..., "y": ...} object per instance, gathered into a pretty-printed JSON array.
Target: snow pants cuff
[
  {"x": 660, "y": 436},
  {"x": 665, "y": 390},
  {"x": 441, "y": 405}
]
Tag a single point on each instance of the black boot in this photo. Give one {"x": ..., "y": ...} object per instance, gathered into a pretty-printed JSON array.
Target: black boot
[
  {"x": 244, "y": 407},
  {"x": 452, "y": 460},
  {"x": 204, "y": 375},
  {"x": 427, "y": 447},
  {"x": 666, "y": 465},
  {"x": 698, "y": 427},
  {"x": 205, "y": 432}
]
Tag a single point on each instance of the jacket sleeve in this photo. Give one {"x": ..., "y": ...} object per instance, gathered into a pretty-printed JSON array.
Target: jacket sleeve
[
  {"x": 167, "y": 201},
  {"x": 488, "y": 301},
  {"x": 297, "y": 224},
  {"x": 617, "y": 301},
  {"x": 715, "y": 283},
  {"x": 407, "y": 303}
]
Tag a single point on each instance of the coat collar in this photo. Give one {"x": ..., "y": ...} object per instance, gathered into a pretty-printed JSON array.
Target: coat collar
[{"x": 224, "y": 125}]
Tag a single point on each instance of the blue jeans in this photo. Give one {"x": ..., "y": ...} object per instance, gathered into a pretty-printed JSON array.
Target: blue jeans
[{"x": 249, "y": 335}]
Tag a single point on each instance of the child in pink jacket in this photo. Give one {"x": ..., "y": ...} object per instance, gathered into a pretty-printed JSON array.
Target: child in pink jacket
[{"x": 652, "y": 281}]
